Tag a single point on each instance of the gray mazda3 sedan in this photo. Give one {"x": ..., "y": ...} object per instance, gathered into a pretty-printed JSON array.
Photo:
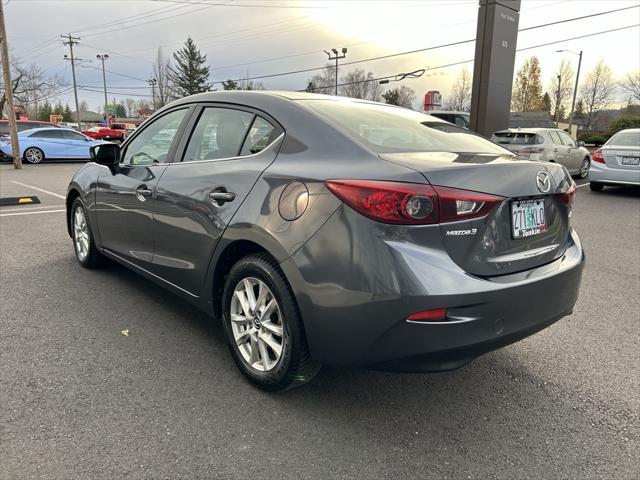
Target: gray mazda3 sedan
[{"x": 324, "y": 230}]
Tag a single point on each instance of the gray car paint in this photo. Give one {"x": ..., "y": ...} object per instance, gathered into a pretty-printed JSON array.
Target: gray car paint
[{"x": 355, "y": 280}]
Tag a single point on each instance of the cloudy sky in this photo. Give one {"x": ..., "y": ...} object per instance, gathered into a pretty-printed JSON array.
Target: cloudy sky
[{"x": 263, "y": 37}]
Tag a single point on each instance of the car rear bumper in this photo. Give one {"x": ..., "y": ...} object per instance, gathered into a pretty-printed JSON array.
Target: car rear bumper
[
  {"x": 355, "y": 304},
  {"x": 599, "y": 173}
]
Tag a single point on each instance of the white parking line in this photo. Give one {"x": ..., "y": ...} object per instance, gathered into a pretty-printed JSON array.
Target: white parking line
[
  {"x": 39, "y": 189},
  {"x": 30, "y": 213},
  {"x": 582, "y": 185}
]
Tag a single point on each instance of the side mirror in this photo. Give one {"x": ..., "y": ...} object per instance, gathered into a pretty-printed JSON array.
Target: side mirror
[
  {"x": 106, "y": 154},
  {"x": 580, "y": 143}
]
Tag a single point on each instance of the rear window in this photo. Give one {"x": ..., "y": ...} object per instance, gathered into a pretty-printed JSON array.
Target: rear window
[
  {"x": 518, "y": 138},
  {"x": 386, "y": 129},
  {"x": 625, "y": 139}
]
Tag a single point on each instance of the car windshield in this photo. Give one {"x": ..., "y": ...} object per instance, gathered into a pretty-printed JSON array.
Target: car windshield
[
  {"x": 625, "y": 139},
  {"x": 386, "y": 129},
  {"x": 517, "y": 138}
]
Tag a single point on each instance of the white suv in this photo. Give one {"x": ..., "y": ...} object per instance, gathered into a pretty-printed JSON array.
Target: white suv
[{"x": 546, "y": 145}]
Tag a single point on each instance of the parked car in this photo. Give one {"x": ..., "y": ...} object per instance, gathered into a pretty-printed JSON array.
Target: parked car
[
  {"x": 617, "y": 162},
  {"x": 462, "y": 119},
  {"x": 22, "y": 125},
  {"x": 546, "y": 145},
  {"x": 113, "y": 133},
  {"x": 320, "y": 236},
  {"x": 41, "y": 144}
]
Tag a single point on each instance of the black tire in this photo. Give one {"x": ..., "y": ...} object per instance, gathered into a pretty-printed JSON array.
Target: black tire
[
  {"x": 584, "y": 172},
  {"x": 596, "y": 187},
  {"x": 93, "y": 258},
  {"x": 295, "y": 365},
  {"x": 37, "y": 153}
]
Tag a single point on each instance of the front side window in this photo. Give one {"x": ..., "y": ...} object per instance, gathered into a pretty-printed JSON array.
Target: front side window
[
  {"x": 219, "y": 133},
  {"x": 53, "y": 134},
  {"x": 566, "y": 139},
  {"x": 154, "y": 142},
  {"x": 386, "y": 129},
  {"x": 73, "y": 135},
  {"x": 555, "y": 138}
]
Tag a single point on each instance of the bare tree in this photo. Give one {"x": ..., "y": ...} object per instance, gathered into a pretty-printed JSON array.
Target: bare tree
[
  {"x": 597, "y": 91},
  {"x": 131, "y": 107},
  {"x": 402, "y": 96},
  {"x": 323, "y": 82},
  {"x": 561, "y": 88},
  {"x": 360, "y": 84},
  {"x": 161, "y": 68},
  {"x": 631, "y": 84},
  {"x": 460, "y": 98},
  {"x": 31, "y": 86}
]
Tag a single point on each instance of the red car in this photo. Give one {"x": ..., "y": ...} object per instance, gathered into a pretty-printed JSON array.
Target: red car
[{"x": 114, "y": 132}]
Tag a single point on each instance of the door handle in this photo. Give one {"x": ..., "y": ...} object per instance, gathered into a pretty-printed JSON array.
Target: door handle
[
  {"x": 142, "y": 193},
  {"x": 555, "y": 149},
  {"x": 222, "y": 197}
]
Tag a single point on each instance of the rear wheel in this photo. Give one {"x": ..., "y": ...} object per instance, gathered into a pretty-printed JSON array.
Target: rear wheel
[
  {"x": 596, "y": 187},
  {"x": 263, "y": 326},
  {"x": 33, "y": 155},
  {"x": 584, "y": 169}
]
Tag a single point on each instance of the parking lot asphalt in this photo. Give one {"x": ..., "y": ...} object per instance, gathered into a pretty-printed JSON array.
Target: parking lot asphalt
[{"x": 81, "y": 400}]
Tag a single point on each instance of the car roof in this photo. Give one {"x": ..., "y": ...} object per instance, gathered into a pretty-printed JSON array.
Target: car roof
[
  {"x": 455, "y": 112},
  {"x": 632, "y": 130},
  {"x": 527, "y": 130},
  {"x": 57, "y": 129}
]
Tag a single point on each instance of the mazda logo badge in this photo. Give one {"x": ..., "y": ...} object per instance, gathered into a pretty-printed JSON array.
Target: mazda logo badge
[{"x": 543, "y": 181}]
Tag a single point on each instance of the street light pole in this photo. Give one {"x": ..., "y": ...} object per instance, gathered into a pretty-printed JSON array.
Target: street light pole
[
  {"x": 102, "y": 58},
  {"x": 558, "y": 103},
  {"x": 336, "y": 57},
  {"x": 8, "y": 93}
]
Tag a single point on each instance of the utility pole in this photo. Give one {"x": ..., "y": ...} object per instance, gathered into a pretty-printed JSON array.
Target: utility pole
[
  {"x": 71, "y": 41},
  {"x": 575, "y": 88},
  {"x": 8, "y": 93},
  {"x": 102, "y": 58},
  {"x": 558, "y": 102},
  {"x": 336, "y": 57},
  {"x": 153, "y": 82}
]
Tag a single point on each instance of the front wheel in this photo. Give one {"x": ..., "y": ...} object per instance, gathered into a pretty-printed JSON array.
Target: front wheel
[
  {"x": 33, "y": 155},
  {"x": 595, "y": 187},
  {"x": 83, "y": 242},
  {"x": 584, "y": 168},
  {"x": 263, "y": 326}
]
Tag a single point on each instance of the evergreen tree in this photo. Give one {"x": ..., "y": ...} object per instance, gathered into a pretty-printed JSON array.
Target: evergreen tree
[
  {"x": 230, "y": 85},
  {"x": 546, "y": 103},
  {"x": 190, "y": 74},
  {"x": 66, "y": 114},
  {"x": 58, "y": 109},
  {"x": 45, "y": 112}
]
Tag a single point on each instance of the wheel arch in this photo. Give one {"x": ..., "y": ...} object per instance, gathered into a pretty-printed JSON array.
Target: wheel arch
[{"x": 72, "y": 194}]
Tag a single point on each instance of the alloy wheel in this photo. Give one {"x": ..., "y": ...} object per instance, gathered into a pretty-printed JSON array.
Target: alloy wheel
[
  {"x": 80, "y": 233},
  {"x": 257, "y": 325},
  {"x": 584, "y": 169},
  {"x": 33, "y": 155}
]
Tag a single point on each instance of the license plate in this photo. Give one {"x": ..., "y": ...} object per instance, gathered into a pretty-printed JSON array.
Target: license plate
[
  {"x": 630, "y": 161},
  {"x": 527, "y": 218}
]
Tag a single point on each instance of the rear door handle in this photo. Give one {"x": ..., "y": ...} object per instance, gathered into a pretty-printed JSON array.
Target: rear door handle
[
  {"x": 222, "y": 197},
  {"x": 555, "y": 149}
]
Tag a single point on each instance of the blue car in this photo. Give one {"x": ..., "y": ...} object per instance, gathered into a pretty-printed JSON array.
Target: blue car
[{"x": 39, "y": 144}]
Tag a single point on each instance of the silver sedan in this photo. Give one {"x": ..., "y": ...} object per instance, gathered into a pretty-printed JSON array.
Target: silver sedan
[{"x": 617, "y": 162}]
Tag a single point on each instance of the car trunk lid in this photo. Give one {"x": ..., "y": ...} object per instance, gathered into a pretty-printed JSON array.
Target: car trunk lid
[
  {"x": 627, "y": 158},
  {"x": 487, "y": 246}
]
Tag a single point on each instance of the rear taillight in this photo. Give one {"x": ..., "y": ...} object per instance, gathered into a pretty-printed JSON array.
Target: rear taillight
[
  {"x": 597, "y": 156},
  {"x": 411, "y": 203},
  {"x": 530, "y": 150},
  {"x": 569, "y": 196}
]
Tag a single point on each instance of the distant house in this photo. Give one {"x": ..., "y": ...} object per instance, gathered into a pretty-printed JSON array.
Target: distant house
[
  {"x": 88, "y": 117},
  {"x": 531, "y": 120},
  {"x": 145, "y": 112}
]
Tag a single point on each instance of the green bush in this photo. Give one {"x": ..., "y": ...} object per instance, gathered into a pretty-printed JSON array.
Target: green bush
[
  {"x": 593, "y": 139},
  {"x": 622, "y": 123}
]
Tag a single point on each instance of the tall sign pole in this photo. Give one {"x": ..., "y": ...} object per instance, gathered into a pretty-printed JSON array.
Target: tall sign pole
[
  {"x": 8, "y": 92},
  {"x": 71, "y": 41},
  {"x": 496, "y": 38},
  {"x": 102, "y": 58}
]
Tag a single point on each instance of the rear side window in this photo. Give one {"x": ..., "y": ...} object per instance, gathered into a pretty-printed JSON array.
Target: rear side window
[
  {"x": 625, "y": 139},
  {"x": 219, "y": 133},
  {"x": 386, "y": 129},
  {"x": 260, "y": 135}
]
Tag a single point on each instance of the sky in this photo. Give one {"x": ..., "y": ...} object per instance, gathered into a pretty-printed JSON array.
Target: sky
[{"x": 263, "y": 37}]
